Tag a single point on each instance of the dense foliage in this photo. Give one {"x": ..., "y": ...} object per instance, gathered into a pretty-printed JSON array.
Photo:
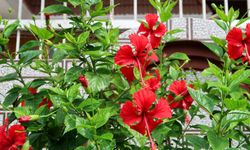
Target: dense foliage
[{"x": 132, "y": 96}]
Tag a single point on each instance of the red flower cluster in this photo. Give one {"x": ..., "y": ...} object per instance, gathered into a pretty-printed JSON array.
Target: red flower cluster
[
  {"x": 145, "y": 113},
  {"x": 182, "y": 98},
  {"x": 239, "y": 46},
  {"x": 12, "y": 138},
  {"x": 129, "y": 58},
  {"x": 45, "y": 101},
  {"x": 147, "y": 38}
]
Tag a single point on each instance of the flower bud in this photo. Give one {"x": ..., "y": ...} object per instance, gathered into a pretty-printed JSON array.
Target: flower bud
[
  {"x": 29, "y": 118},
  {"x": 32, "y": 91},
  {"x": 83, "y": 81}
]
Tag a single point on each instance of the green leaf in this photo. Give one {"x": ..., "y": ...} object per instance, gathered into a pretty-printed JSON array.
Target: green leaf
[
  {"x": 236, "y": 116},
  {"x": 90, "y": 104},
  {"x": 102, "y": 117},
  {"x": 212, "y": 70},
  {"x": 56, "y": 100},
  {"x": 12, "y": 96},
  {"x": 221, "y": 24},
  {"x": 160, "y": 133},
  {"x": 202, "y": 99},
  {"x": 57, "y": 90},
  {"x": 120, "y": 82},
  {"x": 3, "y": 41},
  {"x": 28, "y": 56},
  {"x": 221, "y": 14},
  {"x": 10, "y": 29},
  {"x": 29, "y": 45},
  {"x": 154, "y": 4},
  {"x": 73, "y": 92},
  {"x": 233, "y": 104},
  {"x": 238, "y": 77},
  {"x": 57, "y": 9},
  {"x": 21, "y": 111},
  {"x": 75, "y": 2},
  {"x": 84, "y": 128},
  {"x": 241, "y": 21},
  {"x": 70, "y": 123},
  {"x": 220, "y": 42},
  {"x": 97, "y": 53},
  {"x": 217, "y": 142},
  {"x": 8, "y": 77},
  {"x": 98, "y": 82},
  {"x": 179, "y": 56},
  {"x": 70, "y": 37},
  {"x": 42, "y": 33},
  {"x": 197, "y": 142},
  {"x": 82, "y": 38},
  {"x": 106, "y": 136},
  {"x": 217, "y": 50},
  {"x": 59, "y": 55},
  {"x": 165, "y": 12},
  {"x": 73, "y": 74},
  {"x": 173, "y": 73}
]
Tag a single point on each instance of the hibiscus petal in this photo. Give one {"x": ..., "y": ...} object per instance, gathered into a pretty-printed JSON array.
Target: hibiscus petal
[
  {"x": 128, "y": 73},
  {"x": 248, "y": 31},
  {"x": 178, "y": 87},
  {"x": 154, "y": 83},
  {"x": 234, "y": 52},
  {"x": 17, "y": 134},
  {"x": 124, "y": 56},
  {"x": 160, "y": 30},
  {"x": 161, "y": 110},
  {"x": 144, "y": 98},
  {"x": 151, "y": 20},
  {"x": 153, "y": 57},
  {"x": 152, "y": 124},
  {"x": 4, "y": 142},
  {"x": 143, "y": 30},
  {"x": 140, "y": 127},
  {"x": 154, "y": 41},
  {"x": 139, "y": 42},
  {"x": 234, "y": 37},
  {"x": 129, "y": 113},
  {"x": 187, "y": 102}
]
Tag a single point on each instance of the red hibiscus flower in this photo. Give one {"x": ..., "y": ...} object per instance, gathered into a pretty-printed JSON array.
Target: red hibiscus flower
[
  {"x": 140, "y": 115},
  {"x": 152, "y": 30},
  {"x": 154, "y": 83},
  {"x": 129, "y": 58},
  {"x": 182, "y": 98},
  {"x": 126, "y": 56},
  {"x": 47, "y": 102},
  {"x": 237, "y": 45},
  {"x": 83, "y": 81},
  {"x": 12, "y": 138}
]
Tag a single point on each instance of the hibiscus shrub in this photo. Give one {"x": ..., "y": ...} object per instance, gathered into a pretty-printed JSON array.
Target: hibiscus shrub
[{"x": 131, "y": 96}]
